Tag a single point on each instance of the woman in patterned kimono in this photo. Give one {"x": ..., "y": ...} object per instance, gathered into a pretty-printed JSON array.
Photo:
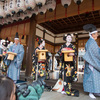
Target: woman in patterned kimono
[
  {"x": 91, "y": 81},
  {"x": 42, "y": 65},
  {"x": 68, "y": 79}
]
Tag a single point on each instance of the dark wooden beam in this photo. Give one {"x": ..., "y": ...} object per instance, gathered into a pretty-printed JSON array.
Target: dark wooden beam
[{"x": 30, "y": 45}]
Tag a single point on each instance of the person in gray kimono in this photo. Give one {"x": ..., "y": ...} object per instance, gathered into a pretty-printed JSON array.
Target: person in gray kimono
[
  {"x": 15, "y": 65},
  {"x": 91, "y": 80}
]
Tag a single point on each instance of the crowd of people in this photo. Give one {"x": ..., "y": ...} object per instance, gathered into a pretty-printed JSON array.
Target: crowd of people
[{"x": 91, "y": 80}]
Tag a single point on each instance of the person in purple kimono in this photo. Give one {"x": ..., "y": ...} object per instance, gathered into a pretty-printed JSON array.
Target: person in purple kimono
[
  {"x": 91, "y": 80},
  {"x": 15, "y": 65}
]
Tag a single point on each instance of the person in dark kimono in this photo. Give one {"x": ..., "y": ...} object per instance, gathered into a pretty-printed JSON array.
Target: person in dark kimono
[
  {"x": 14, "y": 66},
  {"x": 42, "y": 65},
  {"x": 91, "y": 80},
  {"x": 69, "y": 76}
]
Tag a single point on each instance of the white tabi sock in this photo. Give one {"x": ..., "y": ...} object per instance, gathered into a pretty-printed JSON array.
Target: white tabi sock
[{"x": 92, "y": 96}]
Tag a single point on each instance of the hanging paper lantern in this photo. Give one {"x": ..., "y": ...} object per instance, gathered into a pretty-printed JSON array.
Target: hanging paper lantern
[
  {"x": 21, "y": 6},
  {"x": 30, "y": 4},
  {"x": 40, "y": 3},
  {"x": 51, "y": 4},
  {"x": 14, "y": 18},
  {"x": 6, "y": 8},
  {"x": 13, "y": 7},
  {"x": 66, "y": 3},
  {"x": 4, "y": 21},
  {"x": 35, "y": 11},
  {"x": 27, "y": 14},
  {"x": 42, "y": 10},
  {"x": 2, "y": 13},
  {"x": 9, "y": 20},
  {"x": 78, "y": 2},
  {"x": 21, "y": 16}
]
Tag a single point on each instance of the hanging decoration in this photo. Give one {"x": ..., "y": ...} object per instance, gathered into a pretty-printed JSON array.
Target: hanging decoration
[
  {"x": 51, "y": 5},
  {"x": 27, "y": 14},
  {"x": 12, "y": 6},
  {"x": 2, "y": 13},
  {"x": 10, "y": 31},
  {"x": 42, "y": 10},
  {"x": 6, "y": 8},
  {"x": 4, "y": 21},
  {"x": 21, "y": 16},
  {"x": 30, "y": 4},
  {"x": 40, "y": 3},
  {"x": 35, "y": 11},
  {"x": 65, "y": 3},
  {"x": 78, "y": 2},
  {"x": 14, "y": 17},
  {"x": 92, "y": 5},
  {"x": 21, "y": 6},
  {"x": 9, "y": 20}
]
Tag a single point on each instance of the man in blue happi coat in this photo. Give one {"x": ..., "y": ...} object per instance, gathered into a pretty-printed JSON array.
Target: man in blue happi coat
[
  {"x": 15, "y": 65},
  {"x": 91, "y": 81}
]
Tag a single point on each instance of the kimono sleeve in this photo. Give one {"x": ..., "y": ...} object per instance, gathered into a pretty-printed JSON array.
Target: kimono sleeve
[
  {"x": 92, "y": 55},
  {"x": 19, "y": 58}
]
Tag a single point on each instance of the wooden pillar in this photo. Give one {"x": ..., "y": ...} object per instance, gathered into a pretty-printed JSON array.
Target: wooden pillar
[
  {"x": 30, "y": 45},
  {"x": 77, "y": 50}
]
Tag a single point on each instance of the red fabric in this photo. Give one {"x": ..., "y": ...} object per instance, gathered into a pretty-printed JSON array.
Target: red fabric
[{"x": 63, "y": 89}]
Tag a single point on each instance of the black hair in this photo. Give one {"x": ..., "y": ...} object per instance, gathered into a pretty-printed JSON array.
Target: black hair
[
  {"x": 40, "y": 41},
  {"x": 64, "y": 37},
  {"x": 6, "y": 88}
]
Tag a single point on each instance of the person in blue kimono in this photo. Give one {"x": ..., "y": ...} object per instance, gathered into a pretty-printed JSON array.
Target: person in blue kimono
[
  {"x": 42, "y": 65},
  {"x": 14, "y": 66},
  {"x": 1, "y": 50},
  {"x": 91, "y": 80}
]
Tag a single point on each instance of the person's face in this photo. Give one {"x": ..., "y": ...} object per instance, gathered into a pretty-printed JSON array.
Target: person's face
[
  {"x": 95, "y": 35},
  {"x": 13, "y": 95},
  {"x": 16, "y": 41},
  {"x": 69, "y": 39},
  {"x": 43, "y": 43}
]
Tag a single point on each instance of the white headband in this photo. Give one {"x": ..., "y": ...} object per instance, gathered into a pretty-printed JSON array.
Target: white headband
[
  {"x": 16, "y": 38},
  {"x": 93, "y": 32}
]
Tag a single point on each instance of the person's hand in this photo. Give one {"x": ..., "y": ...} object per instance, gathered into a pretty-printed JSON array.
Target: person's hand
[
  {"x": 63, "y": 49},
  {"x": 0, "y": 55},
  {"x": 71, "y": 54}
]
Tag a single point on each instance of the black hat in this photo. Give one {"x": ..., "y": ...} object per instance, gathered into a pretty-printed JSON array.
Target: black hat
[
  {"x": 64, "y": 37},
  {"x": 16, "y": 36},
  {"x": 90, "y": 28}
]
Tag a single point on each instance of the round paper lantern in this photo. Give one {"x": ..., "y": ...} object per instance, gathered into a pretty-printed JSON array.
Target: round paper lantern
[
  {"x": 51, "y": 5},
  {"x": 14, "y": 17},
  {"x": 42, "y": 10},
  {"x": 9, "y": 20},
  {"x": 21, "y": 16},
  {"x": 40, "y": 3},
  {"x": 6, "y": 8},
  {"x": 2, "y": 13},
  {"x": 35, "y": 11},
  {"x": 27, "y": 14},
  {"x": 21, "y": 6},
  {"x": 66, "y": 3},
  {"x": 30, "y": 4},
  {"x": 4, "y": 21},
  {"x": 78, "y": 2},
  {"x": 13, "y": 7}
]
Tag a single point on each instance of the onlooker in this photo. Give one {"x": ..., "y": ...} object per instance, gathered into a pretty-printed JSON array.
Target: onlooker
[{"x": 7, "y": 89}]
